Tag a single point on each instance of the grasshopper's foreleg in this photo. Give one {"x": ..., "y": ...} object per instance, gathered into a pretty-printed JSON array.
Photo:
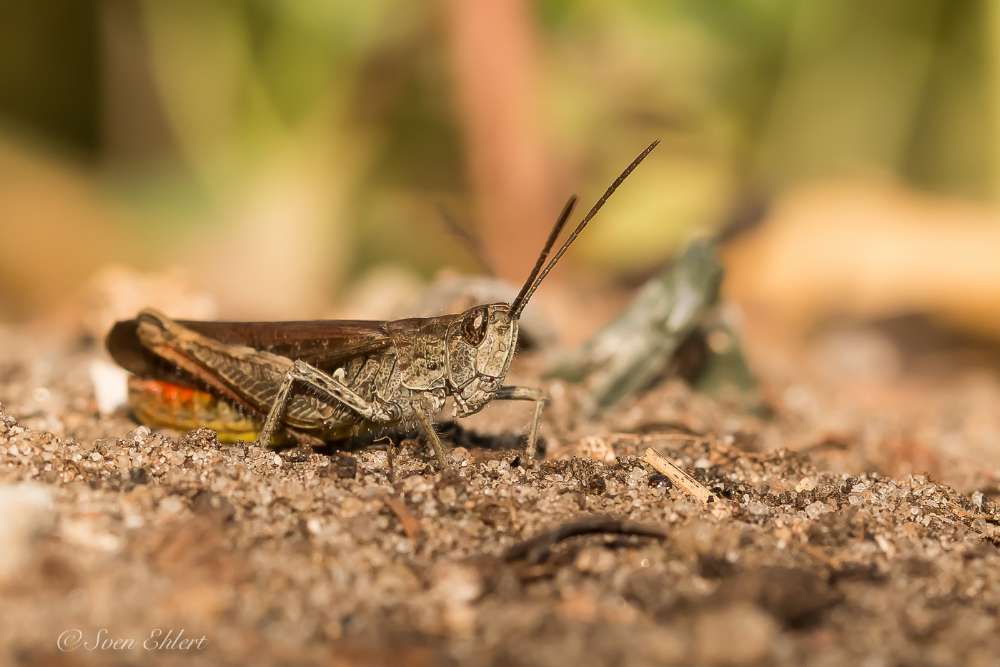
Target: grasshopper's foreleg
[
  {"x": 317, "y": 379},
  {"x": 526, "y": 394}
]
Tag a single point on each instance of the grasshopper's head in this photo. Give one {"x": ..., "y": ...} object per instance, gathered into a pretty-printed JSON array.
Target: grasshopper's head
[
  {"x": 481, "y": 344},
  {"x": 481, "y": 341}
]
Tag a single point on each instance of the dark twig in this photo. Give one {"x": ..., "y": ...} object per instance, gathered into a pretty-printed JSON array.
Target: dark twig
[{"x": 537, "y": 548}]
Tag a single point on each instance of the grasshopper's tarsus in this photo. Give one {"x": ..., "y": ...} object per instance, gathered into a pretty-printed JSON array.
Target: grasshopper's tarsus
[{"x": 526, "y": 394}]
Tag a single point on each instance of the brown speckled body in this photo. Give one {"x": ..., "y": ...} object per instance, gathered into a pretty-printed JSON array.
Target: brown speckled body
[{"x": 413, "y": 364}]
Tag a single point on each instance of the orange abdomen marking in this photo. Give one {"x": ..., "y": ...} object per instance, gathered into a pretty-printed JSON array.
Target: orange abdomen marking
[{"x": 165, "y": 405}]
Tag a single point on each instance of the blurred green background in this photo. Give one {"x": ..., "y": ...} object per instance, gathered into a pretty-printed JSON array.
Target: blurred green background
[{"x": 281, "y": 150}]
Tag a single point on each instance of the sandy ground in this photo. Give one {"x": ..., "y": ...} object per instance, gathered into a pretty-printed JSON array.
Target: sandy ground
[{"x": 853, "y": 524}]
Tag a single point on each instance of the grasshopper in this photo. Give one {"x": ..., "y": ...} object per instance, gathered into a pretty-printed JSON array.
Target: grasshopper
[{"x": 357, "y": 375}]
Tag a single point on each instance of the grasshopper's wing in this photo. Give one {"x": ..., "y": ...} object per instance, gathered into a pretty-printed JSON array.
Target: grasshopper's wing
[{"x": 325, "y": 344}]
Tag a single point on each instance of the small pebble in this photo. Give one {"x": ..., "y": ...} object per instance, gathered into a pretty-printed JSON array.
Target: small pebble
[
  {"x": 659, "y": 481},
  {"x": 171, "y": 505}
]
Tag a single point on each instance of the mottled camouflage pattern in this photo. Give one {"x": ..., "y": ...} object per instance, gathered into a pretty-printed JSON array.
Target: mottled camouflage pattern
[{"x": 466, "y": 356}]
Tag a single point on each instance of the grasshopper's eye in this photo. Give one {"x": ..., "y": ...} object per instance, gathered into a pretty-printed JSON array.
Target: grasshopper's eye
[{"x": 474, "y": 326}]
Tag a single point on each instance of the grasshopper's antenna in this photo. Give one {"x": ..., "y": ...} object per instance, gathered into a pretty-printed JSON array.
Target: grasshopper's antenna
[{"x": 517, "y": 305}]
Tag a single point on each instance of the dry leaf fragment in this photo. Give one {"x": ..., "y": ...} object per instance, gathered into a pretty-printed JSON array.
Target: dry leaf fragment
[{"x": 410, "y": 523}]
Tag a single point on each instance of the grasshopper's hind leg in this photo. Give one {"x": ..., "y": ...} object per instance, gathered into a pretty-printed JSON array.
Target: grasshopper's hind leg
[
  {"x": 274, "y": 414},
  {"x": 526, "y": 394},
  {"x": 317, "y": 379}
]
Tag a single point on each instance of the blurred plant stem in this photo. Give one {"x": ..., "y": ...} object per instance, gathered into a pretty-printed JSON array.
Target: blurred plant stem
[
  {"x": 992, "y": 28},
  {"x": 496, "y": 62}
]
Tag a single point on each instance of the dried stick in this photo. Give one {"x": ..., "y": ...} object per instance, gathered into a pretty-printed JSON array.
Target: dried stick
[{"x": 681, "y": 479}]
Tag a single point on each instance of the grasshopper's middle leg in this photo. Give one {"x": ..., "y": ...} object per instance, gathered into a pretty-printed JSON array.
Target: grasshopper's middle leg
[
  {"x": 428, "y": 426},
  {"x": 526, "y": 394},
  {"x": 317, "y": 379}
]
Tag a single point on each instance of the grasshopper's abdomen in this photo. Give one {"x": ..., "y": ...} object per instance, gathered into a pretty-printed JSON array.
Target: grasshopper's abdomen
[
  {"x": 165, "y": 405},
  {"x": 161, "y": 404}
]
